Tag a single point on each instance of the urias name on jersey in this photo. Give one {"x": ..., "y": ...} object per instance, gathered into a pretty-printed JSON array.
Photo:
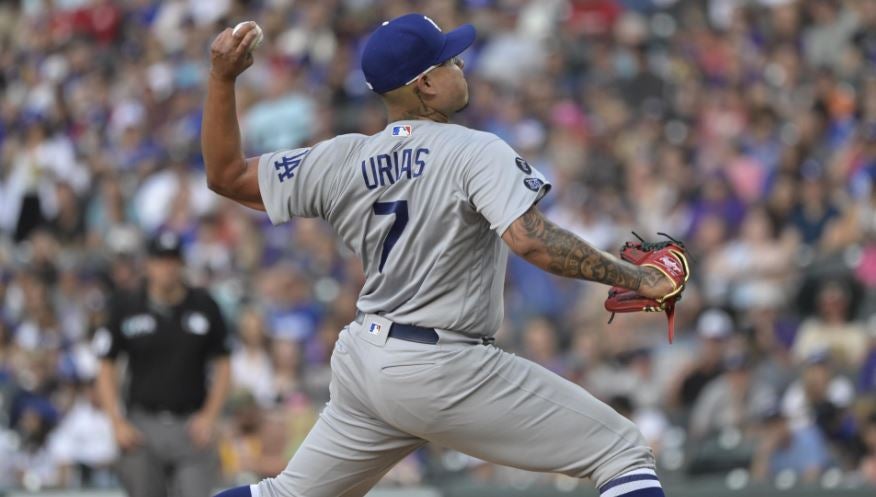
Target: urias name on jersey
[{"x": 386, "y": 169}]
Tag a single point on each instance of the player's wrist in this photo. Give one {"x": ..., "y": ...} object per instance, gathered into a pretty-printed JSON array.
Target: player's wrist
[{"x": 218, "y": 77}]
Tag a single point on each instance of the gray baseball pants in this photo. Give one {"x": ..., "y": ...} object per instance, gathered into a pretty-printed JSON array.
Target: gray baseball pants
[
  {"x": 168, "y": 463},
  {"x": 390, "y": 397}
]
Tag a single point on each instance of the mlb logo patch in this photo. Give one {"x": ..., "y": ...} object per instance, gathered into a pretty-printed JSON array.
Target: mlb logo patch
[
  {"x": 405, "y": 130},
  {"x": 374, "y": 329}
]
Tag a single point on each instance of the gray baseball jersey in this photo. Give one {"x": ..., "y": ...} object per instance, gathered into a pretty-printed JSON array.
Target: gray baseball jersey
[{"x": 424, "y": 205}]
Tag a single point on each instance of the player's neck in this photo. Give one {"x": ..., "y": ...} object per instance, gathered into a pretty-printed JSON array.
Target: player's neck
[
  {"x": 417, "y": 115},
  {"x": 414, "y": 108},
  {"x": 408, "y": 104}
]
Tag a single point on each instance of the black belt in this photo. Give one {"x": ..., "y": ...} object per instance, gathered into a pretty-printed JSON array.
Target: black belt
[
  {"x": 417, "y": 334},
  {"x": 413, "y": 333}
]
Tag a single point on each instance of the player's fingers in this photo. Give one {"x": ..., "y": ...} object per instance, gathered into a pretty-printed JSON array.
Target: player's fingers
[
  {"x": 246, "y": 28},
  {"x": 247, "y": 40},
  {"x": 222, "y": 41},
  {"x": 225, "y": 36}
]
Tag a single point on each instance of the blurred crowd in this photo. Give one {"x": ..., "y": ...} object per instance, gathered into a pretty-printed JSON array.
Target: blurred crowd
[{"x": 746, "y": 128}]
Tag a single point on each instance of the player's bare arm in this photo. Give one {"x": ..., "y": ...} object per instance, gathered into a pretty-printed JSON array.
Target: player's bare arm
[
  {"x": 229, "y": 173},
  {"x": 558, "y": 251}
]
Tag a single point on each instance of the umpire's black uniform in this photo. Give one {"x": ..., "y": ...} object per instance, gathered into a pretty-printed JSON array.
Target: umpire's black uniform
[{"x": 169, "y": 346}]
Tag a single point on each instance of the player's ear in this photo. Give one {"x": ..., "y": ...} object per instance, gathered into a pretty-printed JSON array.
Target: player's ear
[{"x": 426, "y": 85}]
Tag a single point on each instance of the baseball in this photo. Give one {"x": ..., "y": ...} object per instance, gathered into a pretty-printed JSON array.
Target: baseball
[{"x": 260, "y": 36}]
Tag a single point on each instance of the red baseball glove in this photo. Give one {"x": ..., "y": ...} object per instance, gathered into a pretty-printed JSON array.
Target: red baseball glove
[{"x": 668, "y": 257}]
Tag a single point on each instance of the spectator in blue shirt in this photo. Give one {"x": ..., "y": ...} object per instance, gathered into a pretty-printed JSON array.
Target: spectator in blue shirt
[{"x": 781, "y": 447}]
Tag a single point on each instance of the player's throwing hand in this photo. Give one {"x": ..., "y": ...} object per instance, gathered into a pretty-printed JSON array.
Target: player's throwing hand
[{"x": 230, "y": 52}]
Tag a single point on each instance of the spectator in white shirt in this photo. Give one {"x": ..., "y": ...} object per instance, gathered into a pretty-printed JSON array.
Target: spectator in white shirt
[{"x": 251, "y": 367}]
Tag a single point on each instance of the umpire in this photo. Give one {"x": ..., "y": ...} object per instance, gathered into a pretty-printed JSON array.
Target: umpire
[{"x": 173, "y": 336}]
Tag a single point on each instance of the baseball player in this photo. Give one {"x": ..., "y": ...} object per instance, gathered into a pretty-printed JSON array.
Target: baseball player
[{"x": 431, "y": 208}]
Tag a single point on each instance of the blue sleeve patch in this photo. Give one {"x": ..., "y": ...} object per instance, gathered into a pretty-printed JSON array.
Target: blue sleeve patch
[
  {"x": 533, "y": 184},
  {"x": 286, "y": 166},
  {"x": 523, "y": 165}
]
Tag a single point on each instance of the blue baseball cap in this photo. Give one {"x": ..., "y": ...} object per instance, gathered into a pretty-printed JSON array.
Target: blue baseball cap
[{"x": 402, "y": 49}]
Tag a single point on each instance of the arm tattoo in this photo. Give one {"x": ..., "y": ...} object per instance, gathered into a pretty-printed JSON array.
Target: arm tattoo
[{"x": 560, "y": 252}]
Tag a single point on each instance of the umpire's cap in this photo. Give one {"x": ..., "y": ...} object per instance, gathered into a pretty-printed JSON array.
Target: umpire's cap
[
  {"x": 407, "y": 46},
  {"x": 165, "y": 245}
]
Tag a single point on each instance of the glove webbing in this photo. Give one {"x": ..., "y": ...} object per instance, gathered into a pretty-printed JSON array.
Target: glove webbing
[{"x": 651, "y": 246}]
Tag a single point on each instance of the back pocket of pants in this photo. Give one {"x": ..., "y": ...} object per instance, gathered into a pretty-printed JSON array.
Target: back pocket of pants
[{"x": 405, "y": 370}]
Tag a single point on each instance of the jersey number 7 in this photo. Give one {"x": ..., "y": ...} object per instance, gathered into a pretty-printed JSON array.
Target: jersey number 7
[{"x": 400, "y": 209}]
